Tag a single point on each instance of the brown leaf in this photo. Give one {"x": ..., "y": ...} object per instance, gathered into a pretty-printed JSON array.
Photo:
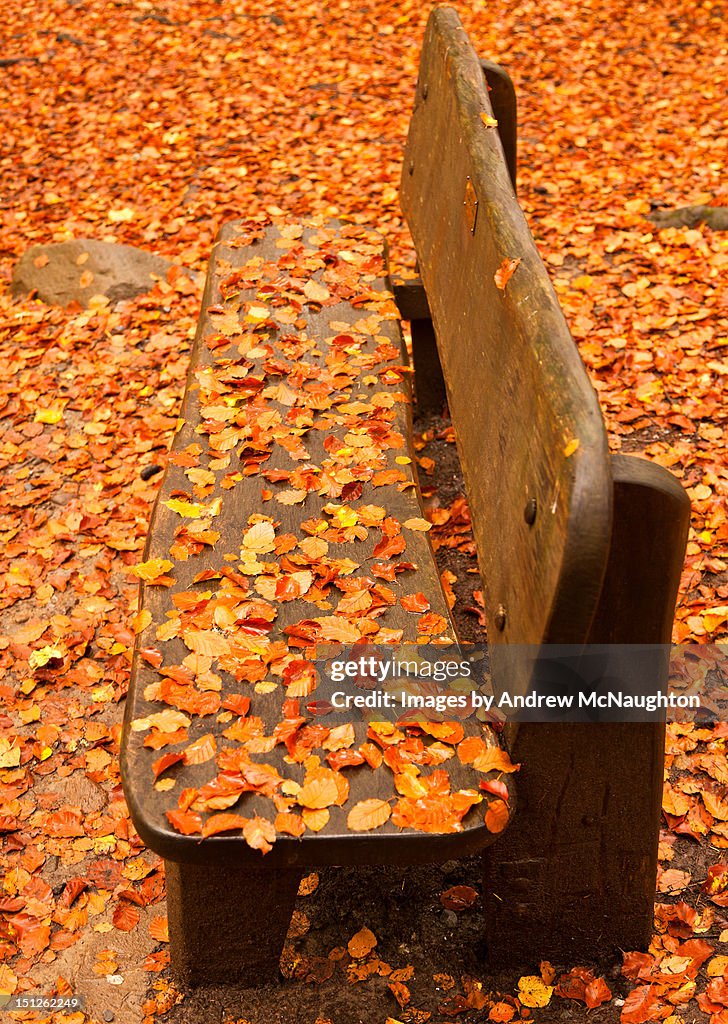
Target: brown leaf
[
  {"x": 125, "y": 916},
  {"x": 458, "y": 897}
]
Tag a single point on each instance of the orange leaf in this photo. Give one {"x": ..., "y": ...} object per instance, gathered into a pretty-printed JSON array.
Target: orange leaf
[
  {"x": 641, "y": 1005},
  {"x": 201, "y": 750},
  {"x": 185, "y": 821},
  {"x": 318, "y": 792},
  {"x": 315, "y": 820},
  {"x": 260, "y": 834},
  {"x": 368, "y": 814},
  {"x": 361, "y": 944},
  {"x": 501, "y": 1013},
  {"x": 159, "y": 929},
  {"x": 291, "y": 824},
  {"x": 596, "y": 993},
  {"x": 496, "y": 817},
  {"x": 164, "y": 762},
  {"x": 505, "y": 272},
  {"x": 223, "y": 822}
]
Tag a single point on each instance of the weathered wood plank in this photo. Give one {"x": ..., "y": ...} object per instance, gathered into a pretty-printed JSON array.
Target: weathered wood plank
[{"x": 528, "y": 426}]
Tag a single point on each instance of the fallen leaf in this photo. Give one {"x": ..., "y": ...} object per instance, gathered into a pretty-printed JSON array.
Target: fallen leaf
[{"x": 505, "y": 272}]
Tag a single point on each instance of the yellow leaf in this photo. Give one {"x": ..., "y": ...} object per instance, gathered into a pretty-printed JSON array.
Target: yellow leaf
[
  {"x": 42, "y": 656},
  {"x": 260, "y": 538},
  {"x": 571, "y": 447},
  {"x": 316, "y": 292},
  {"x": 488, "y": 121},
  {"x": 189, "y": 509},
  {"x": 166, "y": 721},
  {"x": 9, "y": 754},
  {"x": 48, "y": 415},
  {"x": 532, "y": 991},
  {"x": 120, "y": 216},
  {"x": 150, "y": 570},
  {"x": 206, "y": 642}
]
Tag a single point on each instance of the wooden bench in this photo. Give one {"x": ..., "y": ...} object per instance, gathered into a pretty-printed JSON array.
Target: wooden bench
[{"x": 289, "y": 515}]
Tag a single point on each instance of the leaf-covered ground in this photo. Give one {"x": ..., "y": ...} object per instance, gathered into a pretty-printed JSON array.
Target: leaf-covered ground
[{"x": 151, "y": 125}]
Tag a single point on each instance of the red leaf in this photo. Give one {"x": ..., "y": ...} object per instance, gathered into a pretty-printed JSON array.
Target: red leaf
[
  {"x": 185, "y": 822},
  {"x": 597, "y": 992},
  {"x": 126, "y": 916},
  {"x": 458, "y": 897},
  {"x": 497, "y": 787},
  {"x": 415, "y": 603},
  {"x": 166, "y": 761},
  {"x": 237, "y": 703},
  {"x": 637, "y": 965}
]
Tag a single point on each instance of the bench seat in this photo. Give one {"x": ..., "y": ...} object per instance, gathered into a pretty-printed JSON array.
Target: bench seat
[{"x": 290, "y": 515}]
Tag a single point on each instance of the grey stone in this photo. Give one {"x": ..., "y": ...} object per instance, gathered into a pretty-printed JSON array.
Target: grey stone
[
  {"x": 449, "y": 918},
  {"x": 716, "y": 217},
  {"x": 66, "y": 271}
]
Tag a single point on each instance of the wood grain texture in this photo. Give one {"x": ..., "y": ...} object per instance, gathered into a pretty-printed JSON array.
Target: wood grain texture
[
  {"x": 574, "y": 876},
  {"x": 227, "y": 925},
  {"x": 336, "y": 844},
  {"x": 526, "y": 418}
]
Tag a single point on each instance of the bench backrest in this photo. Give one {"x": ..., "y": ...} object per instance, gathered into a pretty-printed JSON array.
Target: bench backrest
[{"x": 529, "y": 431}]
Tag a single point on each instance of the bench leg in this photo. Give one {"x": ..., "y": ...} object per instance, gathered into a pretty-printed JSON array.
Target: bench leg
[
  {"x": 574, "y": 875},
  {"x": 429, "y": 382},
  {"x": 227, "y": 925}
]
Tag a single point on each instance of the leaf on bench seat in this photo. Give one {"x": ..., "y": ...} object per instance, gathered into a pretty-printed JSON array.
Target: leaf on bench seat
[{"x": 368, "y": 814}]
